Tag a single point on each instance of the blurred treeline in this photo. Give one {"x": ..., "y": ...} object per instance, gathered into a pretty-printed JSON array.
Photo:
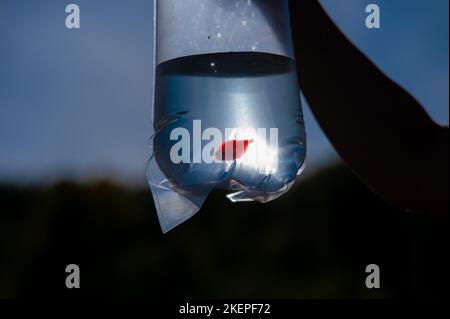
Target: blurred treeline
[{"x": 314, "y": 242}]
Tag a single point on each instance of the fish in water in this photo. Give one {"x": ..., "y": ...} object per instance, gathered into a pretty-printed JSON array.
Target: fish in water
[{"x": 232, "y": 150}]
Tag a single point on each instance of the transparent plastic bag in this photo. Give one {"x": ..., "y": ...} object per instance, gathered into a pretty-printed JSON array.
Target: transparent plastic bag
[{"x": 227, "y": 110}]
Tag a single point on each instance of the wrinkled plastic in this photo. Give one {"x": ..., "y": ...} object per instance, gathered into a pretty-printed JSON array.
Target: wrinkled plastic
[{"x": 227, "y": 110}]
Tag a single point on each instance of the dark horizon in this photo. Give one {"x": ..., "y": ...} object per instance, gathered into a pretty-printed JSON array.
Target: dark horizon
[{"x": 314, "y": 242}]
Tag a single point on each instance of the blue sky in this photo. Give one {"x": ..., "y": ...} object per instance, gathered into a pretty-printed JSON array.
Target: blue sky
[{"x": 76, "y": 103}]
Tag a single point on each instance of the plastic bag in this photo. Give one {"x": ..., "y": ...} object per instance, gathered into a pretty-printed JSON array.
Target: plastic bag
[{"x": 227, "y": 110}]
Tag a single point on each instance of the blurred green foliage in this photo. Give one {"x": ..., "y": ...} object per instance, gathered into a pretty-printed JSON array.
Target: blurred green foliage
[{"x": 314, "y": 242}]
